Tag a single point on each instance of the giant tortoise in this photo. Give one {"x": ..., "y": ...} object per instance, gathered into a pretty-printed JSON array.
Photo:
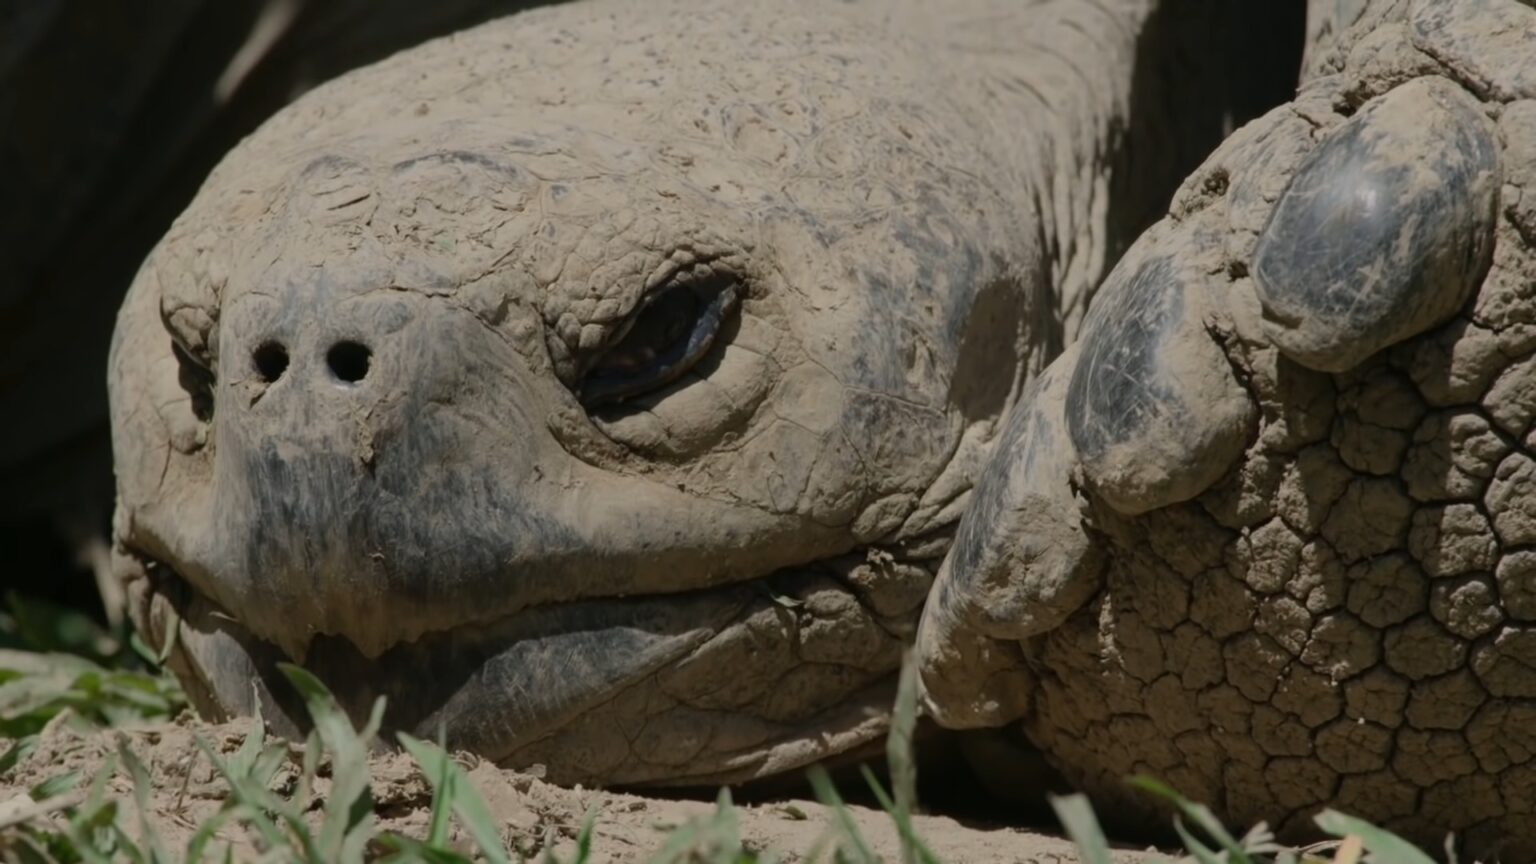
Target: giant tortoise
[{"x": 618, "y": 387}]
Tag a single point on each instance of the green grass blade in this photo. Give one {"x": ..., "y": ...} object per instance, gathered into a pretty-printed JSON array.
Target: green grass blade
[
  {"x": 19, "y": 750},
  {"x": 149, "y": 840},
  {"x": 715, "y": 838},
  {"x": 681, "y": 844},
  {"x": 1082, "y": 827},
  {"x": 903, "y": 768},
  {"x": 96, "y": 798},
  {"x": 359, "y": 832},
  {"x": 197, "y": 844},
  {"x": 83, "y": 842},
  {"x": 245, "y": 758},
  {"x": 473, "y": 814},
  {"x": 911, "y": 844},
  {"x": 271, "y": 760},
  {"x": 1202, "y": 853},
  {"x": 851, "y": 840},
  {"x": 348, "y": 811},
  {"x": 1381, "y": 843},
  {"x": 34, "y": 663},
  {"x": 92, "y": 830},
  {"x": 256, "y": 802},
  {"x": 45, "y": 626},
  {"x": 27, "y": 849},
  {"x": 442, "y": 806},
  {"x": 370, "y": 730},
  {"x": 54, "y": 786},
  {"x": 122, "y": 846},
  {"x": 898, "y": 745},
  {"x": 1199, "y": 814},
  {"x": 405, "y": 850},
  {"x": 584, "y": 837},
  {"x": 309, "y": 768},
  {"x": 724, "y": 822}
]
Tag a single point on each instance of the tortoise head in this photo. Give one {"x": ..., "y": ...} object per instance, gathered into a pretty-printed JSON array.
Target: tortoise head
[{"x": 545, "y": 418}]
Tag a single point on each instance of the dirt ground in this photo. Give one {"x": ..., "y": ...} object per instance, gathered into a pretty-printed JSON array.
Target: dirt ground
[{"x": 531, "y": 812}]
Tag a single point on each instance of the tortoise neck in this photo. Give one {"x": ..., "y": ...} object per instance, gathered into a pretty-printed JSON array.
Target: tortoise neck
[
  {"x": 1048, "y": 87},
  {"x": 1100, "y": 108}
]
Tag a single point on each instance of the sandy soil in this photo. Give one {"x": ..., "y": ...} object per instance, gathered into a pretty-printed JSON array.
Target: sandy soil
[{"x": 531, "y": 812}]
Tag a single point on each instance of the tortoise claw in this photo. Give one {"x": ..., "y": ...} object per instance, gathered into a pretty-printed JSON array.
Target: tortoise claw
[
  {"x": 1021, "y": 563},
  {"x": 1385, "y": 230},
  {"x": 1154, "y": 410},
  {"x": 1295, "y": 421}
]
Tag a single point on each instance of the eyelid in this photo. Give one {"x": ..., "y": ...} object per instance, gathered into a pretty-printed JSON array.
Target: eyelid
[{"x": 600, "y": 388}]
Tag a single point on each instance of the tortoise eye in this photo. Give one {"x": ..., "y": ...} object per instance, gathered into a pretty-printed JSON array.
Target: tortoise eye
[{"x": 668, "y": 335}]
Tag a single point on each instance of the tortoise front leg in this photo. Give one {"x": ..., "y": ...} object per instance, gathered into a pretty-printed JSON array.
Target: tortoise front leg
[{"x": 1265, "y": 530}]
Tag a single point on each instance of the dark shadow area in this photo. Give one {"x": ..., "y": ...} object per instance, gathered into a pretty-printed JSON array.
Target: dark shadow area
[
  {"x": 111, "y": 115},
  {"x": 45, "y": 566},
  {"x": 1204, "y": 68},
  {"x": 48, "y": 511},
  {"x": 948, "y": 783}
]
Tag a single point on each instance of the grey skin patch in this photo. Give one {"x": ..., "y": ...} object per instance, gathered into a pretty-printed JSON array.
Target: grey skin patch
[
  {"x": 1152, "y": 407},
  {"x": 1384, "y": 231},
  {"x": 1487, "y": 43}
]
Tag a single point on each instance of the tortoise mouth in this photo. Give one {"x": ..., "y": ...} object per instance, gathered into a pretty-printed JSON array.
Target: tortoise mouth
[{"x": 718, "y": 684}]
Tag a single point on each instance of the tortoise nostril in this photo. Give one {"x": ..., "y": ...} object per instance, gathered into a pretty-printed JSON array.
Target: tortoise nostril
[
  {"x": 271, "y": 360},
  {"x": 349, "y": 361}
]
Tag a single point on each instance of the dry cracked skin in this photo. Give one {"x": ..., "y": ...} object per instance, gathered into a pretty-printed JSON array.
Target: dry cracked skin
[{"x": 620, "y": 389}]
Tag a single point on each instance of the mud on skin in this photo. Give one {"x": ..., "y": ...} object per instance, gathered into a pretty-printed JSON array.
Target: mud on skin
[{"x": 1299, "y": 441}]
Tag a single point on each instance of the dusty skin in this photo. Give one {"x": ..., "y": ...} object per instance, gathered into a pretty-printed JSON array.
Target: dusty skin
[
  {"x": 629, "y": 827},
  {"x": 1267, "y": 532},
  {"x": 395, "y": 398}
]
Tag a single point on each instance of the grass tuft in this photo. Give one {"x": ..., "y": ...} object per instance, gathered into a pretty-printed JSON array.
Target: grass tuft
[
  {"x": 58, "y": 667},
  {"x": 453, "y": 794}
]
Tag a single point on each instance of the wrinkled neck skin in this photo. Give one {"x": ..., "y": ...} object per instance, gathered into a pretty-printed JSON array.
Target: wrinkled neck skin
[
  {"x": 1046, "y": 90},
  {"x": 911, "y": 204}
]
